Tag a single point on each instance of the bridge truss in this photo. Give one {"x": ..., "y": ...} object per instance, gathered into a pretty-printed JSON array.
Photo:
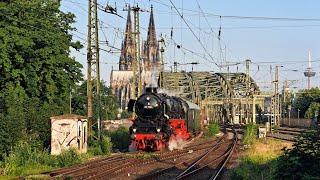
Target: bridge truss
[{"x": 231, "y": 97}]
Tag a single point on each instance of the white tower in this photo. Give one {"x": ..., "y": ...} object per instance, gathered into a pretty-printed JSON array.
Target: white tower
[{"x": 309, "y": 73}]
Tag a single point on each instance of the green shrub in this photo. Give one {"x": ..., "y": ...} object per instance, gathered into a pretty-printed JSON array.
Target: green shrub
[
  {"x": 250, "y": 134},
  {"x": 24, "y": 156},
  {"x": 120, "y": 138},
  {"x": 100, "y": 148},
  {"x": 106, "y": 145},
  {"x": 26, "y": 159},
  {"x": 125, "y": 114},
  {"x": 94, "y": 150},
  {"x": 68, "y": 158},
  {"x": 301, "y": 161},
  {"x": 213, "y": 129}
]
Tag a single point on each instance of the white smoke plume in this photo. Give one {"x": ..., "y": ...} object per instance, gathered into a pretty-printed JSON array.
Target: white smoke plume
[
  {"x": 154, "y": 77},
  {"x": 176, "y": 143}
]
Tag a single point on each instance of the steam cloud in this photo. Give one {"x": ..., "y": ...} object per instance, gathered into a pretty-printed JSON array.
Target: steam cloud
[{"x": 176, "y": 143}]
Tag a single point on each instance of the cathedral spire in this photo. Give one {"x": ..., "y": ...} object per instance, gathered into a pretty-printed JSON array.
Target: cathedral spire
[
  {"x": 122, "y": 61},
  {"x": 128, "y": 32},
  {"x": 151, "y": 39},
  {"x": 128, "y": 46}
]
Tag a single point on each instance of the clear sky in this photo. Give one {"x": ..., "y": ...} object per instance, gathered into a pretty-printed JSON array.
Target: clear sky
[{"x": 266, "y": 41}]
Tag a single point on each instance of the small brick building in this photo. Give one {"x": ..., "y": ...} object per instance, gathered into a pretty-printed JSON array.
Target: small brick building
[{"x": 69, "y": 131}]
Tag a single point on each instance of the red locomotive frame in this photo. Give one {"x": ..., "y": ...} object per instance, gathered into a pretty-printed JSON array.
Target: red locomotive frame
[{"x": 156, "y": 142}]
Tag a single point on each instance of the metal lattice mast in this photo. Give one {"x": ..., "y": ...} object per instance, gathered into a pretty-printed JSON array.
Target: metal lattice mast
[
  {"x": 275, "y": 101},
  {"x": 93, "y": 71},
  {"x": 162, "y": 44},
  {"x": 137, "y": 64},
  {"x": 247, "y": 89}
]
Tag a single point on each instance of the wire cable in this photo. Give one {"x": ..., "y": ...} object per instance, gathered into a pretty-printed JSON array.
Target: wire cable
[{"x": 213, "y": 61}]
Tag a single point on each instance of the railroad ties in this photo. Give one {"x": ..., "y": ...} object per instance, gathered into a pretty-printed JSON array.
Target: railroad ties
[
  {"x": 286, "y": 133},
  {"x": 205, "y": 158}
]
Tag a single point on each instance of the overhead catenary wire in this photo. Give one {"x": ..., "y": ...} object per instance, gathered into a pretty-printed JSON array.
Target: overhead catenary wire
[
  {"x": 212, "y": 59},
  {"x": 214, "y": 29},
  {"x": 244, "y": 17}
]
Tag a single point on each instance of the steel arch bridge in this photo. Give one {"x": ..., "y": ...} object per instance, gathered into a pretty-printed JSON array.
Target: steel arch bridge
[{"x": 222, "y": 96}]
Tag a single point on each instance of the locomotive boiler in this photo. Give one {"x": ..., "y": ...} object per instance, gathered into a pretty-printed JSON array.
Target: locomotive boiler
[{"x": 160, "y": 119}]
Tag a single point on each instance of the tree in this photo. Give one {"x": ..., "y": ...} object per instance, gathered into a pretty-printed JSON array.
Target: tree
[
  {"x": 109, "y": 106},
  {"x": 313, "y": 108},
  {"x": 305, "y": 98},
  {"x": 36, "y": 70}
]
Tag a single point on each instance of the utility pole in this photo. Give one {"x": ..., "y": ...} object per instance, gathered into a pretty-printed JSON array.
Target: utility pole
[
  {"x": 162, "y": 44},
  {"x": 137, "y": 39},
  {"x": 137, "y": 64},
  {"x": 275, "y": 101},
  {"x": 93, "y": 71},
  {"x": 248, "y": 83}
]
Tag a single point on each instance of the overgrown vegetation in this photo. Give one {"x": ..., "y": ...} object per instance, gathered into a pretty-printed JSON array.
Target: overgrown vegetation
[
  {"x": 270, "y": 161},
  {"x": 304, "y": 100},
  {"x": 103, "y": 147},
  {"x": 36, "y": 70},
  {"x": 37, "y": 75},
  {"x": 250, "y": 134},
  {"x": 213, "y": 129},
  {"x": 120, "y": 138},
  {"x": 108, "y": 106},
  {"x": 303, "y": 160},
  {"x": 28, "y": 158},
  {"x": 311, "y": 111},
  {"x": 258, "y": 162}
]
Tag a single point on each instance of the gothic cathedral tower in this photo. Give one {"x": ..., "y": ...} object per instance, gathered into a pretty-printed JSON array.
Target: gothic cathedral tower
[
  {"x": 128, "y": 47},
  {"x": 150, "y": 51},
  {"x": 150, "y": 48}
]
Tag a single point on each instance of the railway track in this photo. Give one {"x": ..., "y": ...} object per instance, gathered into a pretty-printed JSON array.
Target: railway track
[
  {"x": 286, "y": 133},
  {"x": 282, "y": 133},
  {"x": 118, "y": 164},
  {"x": 208, "y": 165}
]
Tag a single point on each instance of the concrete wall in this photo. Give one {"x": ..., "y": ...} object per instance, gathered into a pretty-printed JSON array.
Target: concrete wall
[{"x": 68, "y": 133}]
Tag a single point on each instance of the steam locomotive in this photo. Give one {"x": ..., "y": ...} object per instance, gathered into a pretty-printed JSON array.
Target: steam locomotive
[{"x": 160, "y": 119}]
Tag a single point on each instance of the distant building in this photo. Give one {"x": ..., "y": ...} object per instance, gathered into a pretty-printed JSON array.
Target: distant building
[{"x": 121, "y": 80}]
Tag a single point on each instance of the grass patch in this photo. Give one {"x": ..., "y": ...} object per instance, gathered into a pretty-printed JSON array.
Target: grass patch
[
  {"x": 26, "y": 159},
  {"x": 213, "y": 129},
  {"x": 260, "y": 161},
  {"x": 250, "y": 134}
]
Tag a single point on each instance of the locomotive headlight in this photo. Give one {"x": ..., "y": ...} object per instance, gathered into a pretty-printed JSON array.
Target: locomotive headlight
[
  {"x": 134, "y": 130},
  {"x": 158, "y": 129}
]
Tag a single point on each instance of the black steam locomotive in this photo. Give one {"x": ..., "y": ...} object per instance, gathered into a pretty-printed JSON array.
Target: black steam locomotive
[{"x": 162, "y": 118}]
